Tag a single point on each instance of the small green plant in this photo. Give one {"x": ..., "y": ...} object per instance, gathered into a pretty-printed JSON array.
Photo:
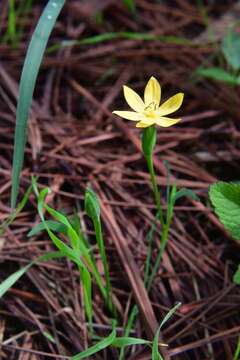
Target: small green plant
[
  {"x": 225, "y": 198},
  {"x": 122, "y": 342},
  {"x": 230, "y": 51},
  {"x": 78, "y": 250},
  {"x": 147, "y": 114}
]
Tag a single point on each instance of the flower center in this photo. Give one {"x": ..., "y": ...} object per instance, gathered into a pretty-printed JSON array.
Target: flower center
[{"x": 150, "y": 110}]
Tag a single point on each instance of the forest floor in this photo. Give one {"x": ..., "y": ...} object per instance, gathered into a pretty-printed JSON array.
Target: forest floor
[{"x": 74, "y": 141}]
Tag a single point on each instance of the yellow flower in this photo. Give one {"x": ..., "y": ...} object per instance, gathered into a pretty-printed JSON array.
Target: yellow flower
[{"x": 149, "y": 111}]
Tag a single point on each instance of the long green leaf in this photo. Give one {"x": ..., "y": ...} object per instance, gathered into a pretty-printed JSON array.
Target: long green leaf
[
  {"x": 128, "y": 341},
  {"x": 102, "y": 344},
  {"x": 30, "y": 71},
  {"x": 12, "y": 279},
  {"x": 155, "y": 352},
  {"x": 92, "y": 208}
]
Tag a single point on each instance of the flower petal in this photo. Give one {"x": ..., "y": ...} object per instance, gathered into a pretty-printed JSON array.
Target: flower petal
[
  {"x": 152, "y": 92},
  {"x": 166, "y": 122},
  {"x": 133, "y": 99},
  {"x": 144, "y": 123},
  {"x": 171, "y": 105},
  {"x": 130, "y": 115}
]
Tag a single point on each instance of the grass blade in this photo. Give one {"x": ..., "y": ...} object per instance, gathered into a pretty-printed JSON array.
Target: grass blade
[
  {"x": 92, "y": 209},
  {"x": 12, "y": 22},
  {"x": 30, "y": 71},
  {"x": 12, "y": 279},
  {"x": 16, "y": 211},
  {"x": 155, "y": 352},
  {"x": 102, "y": 344}
]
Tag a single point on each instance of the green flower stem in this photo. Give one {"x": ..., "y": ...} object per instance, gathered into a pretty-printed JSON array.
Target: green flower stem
[
  {"x": 157, "y": 194},
  {"x": 163, "y": 243},
  {"x": 99, "y": 236}
]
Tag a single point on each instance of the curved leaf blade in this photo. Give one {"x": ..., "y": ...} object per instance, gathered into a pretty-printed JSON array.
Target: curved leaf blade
[{"x": 30, "y": 71}]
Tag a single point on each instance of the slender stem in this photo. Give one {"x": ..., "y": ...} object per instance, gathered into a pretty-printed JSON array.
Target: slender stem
[
  {"x": 130, "y": 323},
  {"x": 99, "y": 237},
  {"x": 156, "y": 191},
  {"x": 164, "y": 239}
]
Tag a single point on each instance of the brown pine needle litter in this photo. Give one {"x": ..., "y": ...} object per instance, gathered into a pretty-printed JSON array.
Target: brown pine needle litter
[{"x": 74, "y": 140}]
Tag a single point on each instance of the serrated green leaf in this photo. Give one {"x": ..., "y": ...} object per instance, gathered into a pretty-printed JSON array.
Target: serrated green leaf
[
  {"x": 225, "y": 198},
  {"x": 236, "y": 276},
  {"x": 231, "y": 49},
  {"x": 218, "y": 74}
]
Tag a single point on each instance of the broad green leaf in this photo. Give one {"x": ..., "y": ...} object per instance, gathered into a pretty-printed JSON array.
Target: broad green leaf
[
  {"x": 218, "y": 74},
  {"x": 97, "y": 347},
  {"x": 236, "y": 276},
  {"x": 231, "y": 49},
  {"x": 149, "y": 138},
  {"x": 27, "y": 83},
  {"x": 225, "y": 198}
]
